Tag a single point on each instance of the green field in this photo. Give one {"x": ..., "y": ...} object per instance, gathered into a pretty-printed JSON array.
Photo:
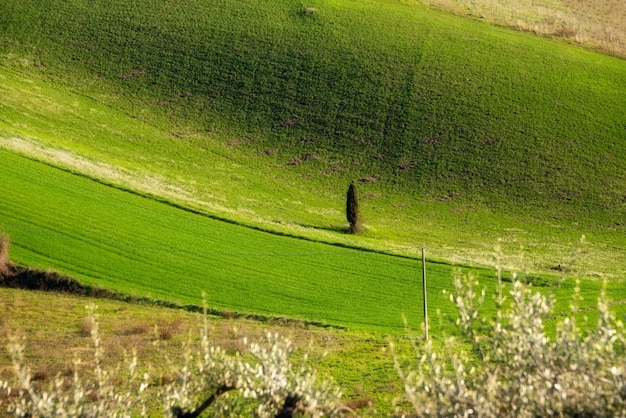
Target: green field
[
  {"x": 260, "y": 113},
  {"x": 139, "y": 246},
  {"x": 133, "y": 244}
]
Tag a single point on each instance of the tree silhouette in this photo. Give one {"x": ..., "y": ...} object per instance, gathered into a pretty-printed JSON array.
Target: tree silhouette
[{"x": 352, "y": 209}]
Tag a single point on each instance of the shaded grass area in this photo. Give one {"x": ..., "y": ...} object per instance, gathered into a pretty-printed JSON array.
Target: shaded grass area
[{"x": 49, "y": 281}]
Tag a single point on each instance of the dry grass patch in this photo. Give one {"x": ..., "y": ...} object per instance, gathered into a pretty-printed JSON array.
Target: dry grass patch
[
  {"x": 84, "y": 328},
  {"x": 136, "y": 329},
  {"x": 166, "y": 330},
  {"x": 5, "y": 263},
  {"x": 360, "y": 403},
  {"x": 599, "y": 24}
]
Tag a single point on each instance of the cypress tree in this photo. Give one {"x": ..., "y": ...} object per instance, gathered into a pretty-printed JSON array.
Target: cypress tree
[{"x": 352, "y": 209}]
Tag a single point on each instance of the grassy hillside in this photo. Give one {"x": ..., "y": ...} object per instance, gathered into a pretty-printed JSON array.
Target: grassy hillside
[
  {"x": 425, "y": 95},
  {"x": 138, "y": 246},
  {"x": 263, "y": 111},
  {"x": 121, "y": 241}
]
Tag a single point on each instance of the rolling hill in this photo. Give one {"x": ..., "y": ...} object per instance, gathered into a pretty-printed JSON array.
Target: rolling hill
[
  {"x": 262, "y": 112},
  {"x": 162, "y": 149}
]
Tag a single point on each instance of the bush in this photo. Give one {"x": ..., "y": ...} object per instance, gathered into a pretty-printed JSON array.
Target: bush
[
  {"x": 263, "y": 383},
  {"x": 5, "y": 262},
  {"x": 79, "y": 397},
  {"x": 521, "y": 371}
]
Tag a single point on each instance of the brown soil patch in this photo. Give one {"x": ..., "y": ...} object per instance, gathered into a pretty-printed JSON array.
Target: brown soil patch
[
  {"x": 292, "y": 122},
  {"x": 295, "y": 162},
  {"x": 370, "y": 179},
  {"x": 406, "y": 166},
  {"x": 132, "y": 74}
]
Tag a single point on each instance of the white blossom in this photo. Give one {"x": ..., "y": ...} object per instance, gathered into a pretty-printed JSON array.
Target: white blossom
[{"x": 523, "y": 372}]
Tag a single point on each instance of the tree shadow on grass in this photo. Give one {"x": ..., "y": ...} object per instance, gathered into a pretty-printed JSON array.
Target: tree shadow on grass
[{"x": 339, "y": 229}]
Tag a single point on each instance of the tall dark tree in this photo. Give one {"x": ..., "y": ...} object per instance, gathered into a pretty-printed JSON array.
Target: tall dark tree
[{"x": 352, "y": 209}]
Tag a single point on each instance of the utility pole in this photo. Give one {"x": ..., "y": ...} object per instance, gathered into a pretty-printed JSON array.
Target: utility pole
[{"x": 424, "y": 294}]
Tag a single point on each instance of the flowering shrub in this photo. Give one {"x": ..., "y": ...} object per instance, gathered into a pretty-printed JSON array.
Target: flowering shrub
[
  {"x": 514, "y": 367},
  {"x": 100, "y": 396},
  {"x": 520, "y": 371},
  {"x": 263, "y": 383},
  {"x": 266, "y": 378}
]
